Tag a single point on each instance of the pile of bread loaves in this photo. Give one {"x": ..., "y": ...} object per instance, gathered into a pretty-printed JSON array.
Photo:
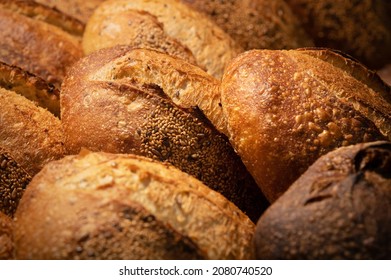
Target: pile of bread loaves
[{"x": 169, "y": 129}]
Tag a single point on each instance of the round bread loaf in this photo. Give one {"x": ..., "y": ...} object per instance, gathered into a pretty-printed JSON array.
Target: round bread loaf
[
  {"x": 359, "y": 28},
  {"x": 210, "y": 45},
  {"x": 38, "y": 39},
  {"x": 340, "y": 208},
  {"x": 259, "y": 24},
  {"x": 138, "y": 101},
  {"x": 31, "y": 134},
  {"x": 286, "y": 108},
  {"x": 13, "y": 181},
  {"x": 107, "y": 206},
  {"x": 6, "y": 243}
]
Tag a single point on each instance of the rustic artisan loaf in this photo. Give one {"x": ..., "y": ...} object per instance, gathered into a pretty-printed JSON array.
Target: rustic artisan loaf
[
  {"x": 107, "y": 206},
  {"x": 144, "y": 102},
  {"x": 360, "y": 28},
  {"x": 38, "y": 39},
  {"x": 6, "y": 243},
  {"x": 259, "y": 24},
  {"x": 286, "y": 108},
  {"x": 32, "y": 135},
  {"x": 210, "y": 45},
  {"x": 340, "y": 208},
  {"x": 79, "y": 9}
]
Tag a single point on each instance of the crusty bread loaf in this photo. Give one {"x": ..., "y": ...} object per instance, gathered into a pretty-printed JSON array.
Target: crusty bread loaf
[
  {"x": 259, "y": 24},
  {"x": 31, "y": 134},
  {"x": 340, "y": 208},
  {"x": 287, "y": 108},
  {"x": 30, "y": 86},
  {"x": 38, "y": 39},
  {"x": 359, "y": 28},
  {"x": 210, "y": 45},
  {"x": 13, "y": 182},
  {"x": 122, "y": 100},
  {"x": 107, "y": 206},
  {"x": 79, "y": 9},
  {"x": 6, "y": 242}
]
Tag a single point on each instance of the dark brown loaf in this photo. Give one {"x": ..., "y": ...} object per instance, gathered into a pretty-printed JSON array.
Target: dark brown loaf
[
  {"x": 6, "y": 242},
  {"x": 258, "y": 24},
  {"x": 39, "y": 40},
  {"x": 359, "y": 28},
  {"x": 106, "y": 206},
  {"x": 340, "y": 208},
  {"x": 138, "y": 101},
  {"x": 287, "y": 108},
  {"x": 210, "y": 45}
]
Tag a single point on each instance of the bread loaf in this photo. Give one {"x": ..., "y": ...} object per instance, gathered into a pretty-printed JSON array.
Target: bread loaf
[
  {"x": 106, "y": 206},
  {"x": 144, "y": 102},
  {"x": 6, "y": 243},
  {"x": 39, "y": 40},
  {"x": 258, "y": 24},
  {"x": 340, "y": 208},
  {"x": 210, "y": 45},
  {"x": 287, "y": 108},
  {"x": 359, "y": 28}
]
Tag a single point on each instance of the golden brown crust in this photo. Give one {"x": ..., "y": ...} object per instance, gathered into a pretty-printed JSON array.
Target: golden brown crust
[
  {"x": 26, "y": 43},
  {"x": 6, "y": 242},
  {"x": 338, "y": 209},
  {"x": 339, "y": 25},
  {"x": 32, "y": 135},
  {"x": 133, "y": 28},
  {"x": 105, "y": 107},
  {"x": 97, "y": 198},
  {"x": 30, "y": 86},
  {"x": 258, "y": 24},
  {"x": 286, "y": 108},
  {"x": 13, "y": 181},
  {"x": 210, "y": 45},
  {"x": 79, "y": 9}
]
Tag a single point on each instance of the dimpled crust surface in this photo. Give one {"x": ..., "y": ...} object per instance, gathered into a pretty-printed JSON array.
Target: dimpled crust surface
[
  {"x": 340, "y": 208},
  {"x": 210, "y": 45},
  {"x": 26, "y": 42},
  {"x": 258, "y": 24},
  {"x": 286, "y": 108},
  {"x": 106, "y": 206},
  {"x": 6, "y": 243},
  {"x": 134, "y": 28},
  {"x": 360, "y": 28},
  {"x": 111, "y": 102},
  {"x": 31, "y": 134}
]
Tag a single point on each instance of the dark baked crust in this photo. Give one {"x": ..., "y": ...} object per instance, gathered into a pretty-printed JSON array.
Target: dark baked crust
[
  {"x": 106, "y": 206},
  {"x": 287, "y": 108},
  {"x": 340, "y": 208}
]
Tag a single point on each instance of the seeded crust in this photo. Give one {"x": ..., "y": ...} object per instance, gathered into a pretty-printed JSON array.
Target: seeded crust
[
  {"x": 31, "y": 134},
  {"x": 339, "y": 25},
  {"x": 141, "y": 119},
  {"x": 256, "y": 24},
  {"x": 340, "y": 208},
  {"x": 287, "y": 108},
  {"x": 134, "y": 28},
  {"x": 110, "y": 206},
  {"x": 6, "y": 243},
  {"x": 13, "y": 181},
  {"x": 210, "y": 45},
  {"x": 79, "y": 9},
  {"x": 30, "y": 86},
  {"x": 26, "y": 42}
]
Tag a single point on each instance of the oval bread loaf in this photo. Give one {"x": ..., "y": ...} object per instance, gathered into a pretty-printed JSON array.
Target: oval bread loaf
[
  {"x": 107, "y": 206},
  {"x": 286, "y": 108},
  {"x": 340, "y": 208}
]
